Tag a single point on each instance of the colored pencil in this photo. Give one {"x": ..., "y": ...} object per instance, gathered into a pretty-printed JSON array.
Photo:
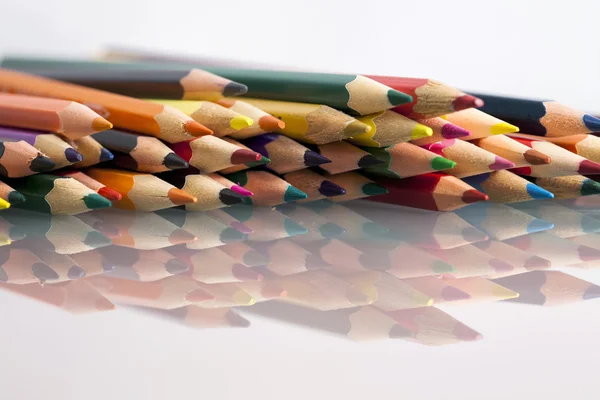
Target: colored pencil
[
  {"x": 469, "y": 261},
  {"x": 266, "y": 224},
  {"x": 359, "y": 324},
  {"x": 211, "y": 154},
  {"x": 222, "y": 121},
  {"x": 214, "y": 266},
  {"x": 146, "y": 154},
  {"x": 46, "y": 143},
  {"x": 480, "y": 124},
  {"x": 442, "y": 129},
  {"x": 332, "y": 255},
  {"x": 559, "y": 251},
  {"x": 286, "y": 155},
  {"x": 356, "y": 186},
  {"x": 481, "y": 289},
  {"x": 169, "y": 293},
  {"x": 521, "y": 261},
  {"x": 124, "y": 112},
  {"x": 315, "y": 186},
  {"x": 10, "y": 195},
  {"x": 404, "y": 160},
  {"x": 549, "y": 288},
  {"x": 438, "y": 289},
  {"x": 567, "y": 222},
  {"x": 423, "y": 228},
  {"x": 58, "y": 195},
  {"x": 319, "y": 226},
  {"x": 512, "y": 150},
  {"x": 92, "y": 262},
  {"x": 540, "y": 118},
  {"x": 432, "y": 327},
  {"x": 241, "y": 167},
  {"x": 92, "y": 152},
  {"x": 268, "y": 189},
  {"x": 68, "y": 118},
  {"x": 229, "y": 185},
  {"x": 142, "y": 231},
  {"x": 501, "y": 222},
  {"x": 19, "y": 159},
  {"x": 470, "y": 160},
  {"x": 141, "y": 192},
  {"x": 66, "y": 234},
  {"x": 245, "y": 254},
  {"x": 19, "y": 266},
  {"x": 92, "y": 184},
  {"x": 200, "y": 318},
  {"x": 564, "y": 163},
  {"x": 308, "y": 123},
  {"x": 261, "y": 291},
  {"x": 354, "y": 224},
  {"x": 226, "y": 295},
  {"x": 230, "y": 221},
  {"x": 388, "y": 128},
  {"x": 209, "y": 231},
  {"x": 262, "y": 121},
  {"x": 209, "y": 193},
  {"x": 587, "y": 146},
  {"x": 8, "y": 233},
  {"x": 589, "y": 240},
  {"x": 345, "y": 157},
  {"x": 75, "y": 297},
  {"x": 568, "y": 187},
  {"x": 141, "y": 265},
  {"x": 285, "y": 257},
  {"x": 433, "y": 191},
  {"x": 430, "y": 98},
  {"x": 506, "y": 187}
]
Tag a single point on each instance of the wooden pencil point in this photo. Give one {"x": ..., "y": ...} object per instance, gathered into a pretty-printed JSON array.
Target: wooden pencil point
[
  {"x": 100, "y": 124},
  {"x": 196, "y": 129},
  {"x": 179, "y": 197}
]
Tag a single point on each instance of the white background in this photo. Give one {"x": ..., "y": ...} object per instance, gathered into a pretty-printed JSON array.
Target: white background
[{"x": 535, "y": 48}]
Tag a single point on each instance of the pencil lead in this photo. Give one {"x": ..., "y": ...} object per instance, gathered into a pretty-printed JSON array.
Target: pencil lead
[
  {"x": 15, "y": 197},
  {"x": 312, "y": 159},
  {"x": 173, "y": 161},
  {"x": 441, "y": 163},
  {"x": 231, "y": 235},
  {"x": 440, "y": 267},
  {"x": 95, "y": 201},
  {"x": 4, "y": 204},
  {"x": 229, "y": 197},
  {"x": 240, "y": 122},
  {"x": 502, "y": 128},
  {"x": 100, "y": 124},
  {"x": 179, "y": 197},
  {"x": 466, "y": 334},
  {"x": 396, "y": 97},
  {"x": 421, "y": 131},
  {"x": 96, "y": 239},
  {"x": 42, "y": 163},
  {"x": 196, "y": 129},
  {"x": 241, "y": 190},
  {"x": 73, "y": 155},
  {"x": 501, "y": 163},
  {"x": 590, "y": 187},
  {"x": 330, "y": 189},
  {"x": 451, "y": 131},
  {"x": 590, "y": 225},
  {"x": 588, "y": 167},
  {"x": 466, "y": 101},
  {"x": 369, "y": 161},
  {"x": 237, "y": 321},
  {"x": 591, "y": 122},
  {"x": 374, "y": 189},
  {"x": 245, "y": 156},
  {"x": 355, "y": 128},
  {"x": 292, "y": 194},
  {"x": 105, "y": 155},
  {"x": 109, "y": 194},
  {"x": 175, "y": 267},
  {"x": 234, "y": 89},
  {"x": 399, "y": 332},
  {"x": 535, "y": 157},
  {"x": 270, "y": 123},
  {"x": 472, "y": 196},
  {"x": 538, "y": 193},
  {"x": 180, "y": 236}
]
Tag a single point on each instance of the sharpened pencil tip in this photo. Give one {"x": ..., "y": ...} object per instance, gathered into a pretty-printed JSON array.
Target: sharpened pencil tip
[
  {"x": 244, "y": 156},
  {"x": 535, "y": 157},
  {"x": 538, "y": 193},
  {"x": 229, "y": 197},
  {"x": 503, "y": 128},
  {"x": 41, "y": 163},
  {"x": 539, "y": 225},
  {"x": 451, "y": 131},
  {"x": 472, "y": 196},
  {"x": 103, "y": 304},
  {"x": 312, "y": 159},
  {"x": 73, "y": 155},
  {"x": 243, "y": 273},
  {"x": 421, "y": 131},
  {"x": 591, "y": 122},
  {"x": 196, "y": 129},
  {"x": 441, "y": 163},
  {"x": 587, "y": 167},
  {"x": 466, "y": 101},
  {"x": 240, "y": 122},
  {"x": 369, "y": 161},
  {"x": 94, "y": 201},
  {"x": 501, "y": 163},
  {"x": 15, "y": 197},
  {"x": 105, "y": 155},
  {"x": 175, "y": 267},
  {"x": 234, "y": 89},
  {"x": 396, "y": 97},
  {"x": 109, "y": 194},
  {"x": 263, "y": 160},
  {"x": 173, "y": 161},
  {"x": 293, "y": 194},
  {"x": 374, "y": 189},
  {"x": 293, "y": 228},
  {"x": 589, "y": 187},
  {"x": 241, "y": 190},
  {"x": 270, "y": 123},
  {"x": 100, "y": 124},
  {"x": 179, "y": 197},
  {"x": 355, "y": 128},
  {"x": 4, "y": 204},
  {"x": 330, "y": 189}
]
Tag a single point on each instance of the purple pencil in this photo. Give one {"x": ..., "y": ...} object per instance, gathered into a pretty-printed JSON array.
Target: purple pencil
[{"x": 49, "y": 144}]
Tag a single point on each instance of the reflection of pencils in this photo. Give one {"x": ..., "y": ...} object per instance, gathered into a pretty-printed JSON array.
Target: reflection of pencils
[
  {"x": 201, "y": 318},
  {"x": 315, "y": 186},
  {"x": 268, "y": 189},
  {"x": 470, "y": 261},
  {"x": 558, "y": 251},
  {"x": 549, "y": 288},
  {"x": 92, "y": 261},
  {"x": 438, "y": 289},
  {"x": 356, "y": 186},
  {"x": 124, "y": 112},
  {"x": 266, "y": 224},
  {"x": 541, "y": 118},
  {"x": 334, "y": 253},
  {"x": 286, "y": 155},
  {"x": 433, "y": 191},
  {"x": 245, "y": 254},
  {"x": 506, "y": 187},
  {"x": 590, "y": 240},
  {"x": 92, "y": 152},
  {"x": 228, "y": 220},
  {"x": 226, "y": 295},
  {"x": 404, "y": 160},
  {"x": 388, "y": 128},
  {"x": 58, "y": 195},
  {"x": 19, "y": 266},
  {"x": 19, "y": 159},
  {"x": 285, "y": 256},
  {"x": 141, "y": 265},
  {"x": 10, "y": 195},
  {"x": 221, "y": 120},
  {"x": 48, "y": 144},
  {"x": 481, "y": 289},
  {"x": 310, "y": 123},
  {"x": 76, "y": 297},
  {"x": 521, "y": 261},
  {"x": 319, "y": 226},
  {"x": 479, "y": 123},
  {"x": 345, "y": 157},
  {"x": 68, "y": 118},
  {"x": 146, "y": 154},
  {"x": 92, "y": 184},
  {"x": 141, "y": 192},
  {"x": 430, "y": 98}
]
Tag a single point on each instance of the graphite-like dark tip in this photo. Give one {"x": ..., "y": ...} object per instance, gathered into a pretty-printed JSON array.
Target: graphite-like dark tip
[{"x": 173, "y": 161}]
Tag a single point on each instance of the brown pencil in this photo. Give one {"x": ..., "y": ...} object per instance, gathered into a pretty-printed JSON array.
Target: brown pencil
[
  {"x": 69, "y": 118},
  {"x": 124, "y": 112}
]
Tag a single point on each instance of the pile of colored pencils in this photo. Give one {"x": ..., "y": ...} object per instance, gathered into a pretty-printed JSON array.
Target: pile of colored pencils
[{"x": 146, "y": 132}]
